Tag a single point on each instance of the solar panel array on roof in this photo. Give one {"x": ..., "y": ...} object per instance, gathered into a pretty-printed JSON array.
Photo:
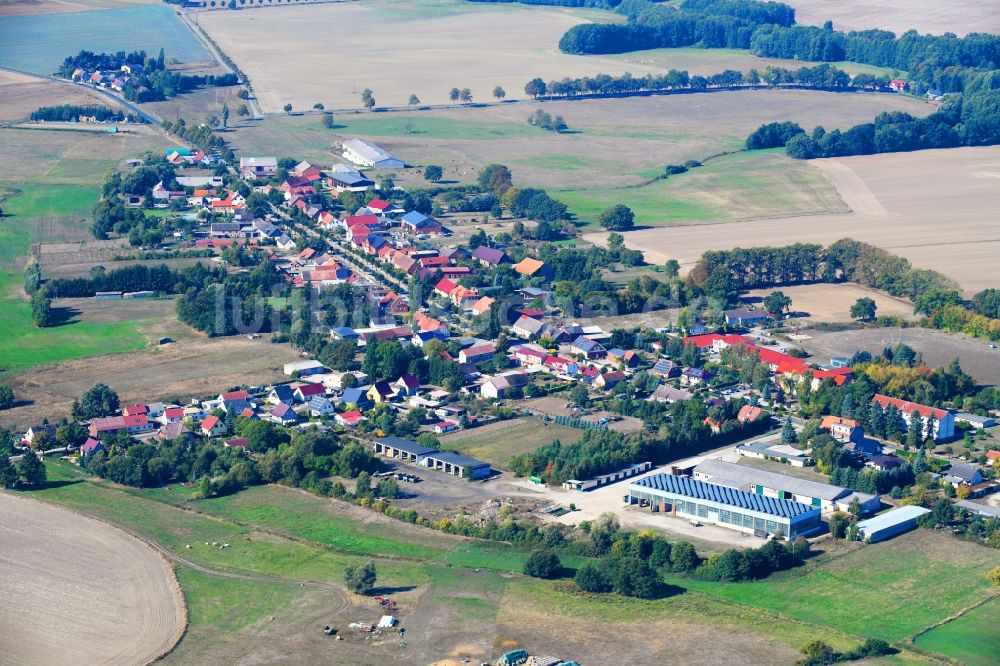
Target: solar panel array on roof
[{"x": 688, "y": 487}]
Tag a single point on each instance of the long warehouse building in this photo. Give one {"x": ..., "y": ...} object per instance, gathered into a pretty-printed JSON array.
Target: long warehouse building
[{"x": 736, "y": 509}]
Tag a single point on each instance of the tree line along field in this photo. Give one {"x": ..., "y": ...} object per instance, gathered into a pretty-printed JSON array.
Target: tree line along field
[
  {"x": 933, "y": 207},
  {"x": 423, "y": 50},
  {"x": 20, "y": 95},
  {"x": 458, "y": 597}
]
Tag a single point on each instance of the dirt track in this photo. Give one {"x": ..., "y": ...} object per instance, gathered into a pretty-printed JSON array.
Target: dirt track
[{"x": 78, "y": 591}]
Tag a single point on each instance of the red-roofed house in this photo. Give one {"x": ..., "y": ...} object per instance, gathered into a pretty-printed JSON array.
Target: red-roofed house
[
  {"x": 477, "y": 354},
  {"x": 380, "y": 205},
  {"x": 304, "y": 392},
  {"x": 749, "y": 413},
  {"x": 841, "y": 429},
  {"x": 350, "y": 419},
  {"x": 241, "y": 394},
  {"x": 107, "y": 425},
  {"x": 133, "y": 410},
  {"x": 212, "y": 426},
  {"x": 943, "y": 420},
  {"x": 445, "y": 287}
]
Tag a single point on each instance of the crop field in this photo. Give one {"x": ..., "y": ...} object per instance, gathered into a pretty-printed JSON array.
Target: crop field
[
  {"x": 17, "y": 7},
  {"x": 59, "y": 568},
  {"x": 926, "y": 16},
  {"x": 927, "y": 575},
  {"x": 424, "y": 48},
  {"x": 192, "y": 366},
  {"x": 613, "y": 144},
  {"x": 971, "y": 638},
  {"x": 20, "y": 95},
  {"x": 497, "y": 443},
  {"x": 832, "y": 302},
  {"x": 39, "y": 43},
  {"x": 933, "y": 207},
  {"x": 937, "y": 347}
]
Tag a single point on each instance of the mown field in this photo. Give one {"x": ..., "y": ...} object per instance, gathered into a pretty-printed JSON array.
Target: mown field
[
  {"x": 972, "y": 638},
  {"x": 497, "y": 443},
  {"x": 38, "y": 43},
  {"x": 926, "y": 16},
  {"x": 267, "y": 595}
]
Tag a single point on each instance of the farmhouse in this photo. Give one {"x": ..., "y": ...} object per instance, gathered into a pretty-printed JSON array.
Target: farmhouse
[
  {"x": 771, "y": 484},
  {"x": 936, "y": 423},
  {"x": 370, "y": 155},
  {"x": 735, "y": 509}
]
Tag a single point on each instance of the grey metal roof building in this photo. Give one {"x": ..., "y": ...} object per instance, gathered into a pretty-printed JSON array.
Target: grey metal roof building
[
  {"x": 891, "y": 523},
  {"x": 725, "y": 506},
  {"x": 397, "y": 447},
  {"x": 456, "y": 464},
  {"x": 762, "y": 481}
]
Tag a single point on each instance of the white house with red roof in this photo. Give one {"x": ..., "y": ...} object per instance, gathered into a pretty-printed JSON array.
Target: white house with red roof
[
  {"x": 212, "y": 426},
  {"x": 349, "y": 419},
  {"x": 943, "y": 421}
]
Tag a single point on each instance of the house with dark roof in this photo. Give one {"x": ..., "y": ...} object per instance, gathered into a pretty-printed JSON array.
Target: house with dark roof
[
  {"x": 666, "y": 368},
  {"x": 283, "y": 414},
  {"x": 381, "y": 391},
  {"x": 589, "y": 349},
  {"x": 355, "y": 396},
  {"x": 320, "y": 406},
  {"x": 489, "y": 256},
  {"x": 407, "y": 385}
]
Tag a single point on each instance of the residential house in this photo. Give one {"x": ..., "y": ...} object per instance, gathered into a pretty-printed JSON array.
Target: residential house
[
  {"x": 488, "y": 256},
  {"x": 696, "y": 376},
  {"x": 281, "y": 393},
  {"x": 407, "y": 385},
  {"x": 258, "y": 167},
  {"x": 528, "y": 356},
  {"x": 841, "y": 429},
  {"x": 320, "y": 406},
  {"x": 444, "y": 287},
  {"x": 357, "y": 397},
  {"x": 477, "y": 353},
  {"x": 381, "y": 391},
  {"x": 589, "y": 349},
  {"x": 90, "y": 447},
  {"x": 282, "y": 414},
  {"x": 212, "y": 426},
  {"x": 526, "y": 327},
  {"x": 306, "y": 392},
  {"x": 666, "y": 368},
  {"x": 530, "y": 267},
  {"x": 500, "y": 386},
  {"x": 961, "y": 474},
  {"x": 35, "y": 430},
  {"x": 609, "y": 380},
  {"x": 344, "y": 333},
  {"x": 483, "y": 305},
  {"x": 349, "y": 419},
  {"x": 669, "y": 394},
  {"x": 626, "y": 359},
  {"x": 749, "y": 414}
]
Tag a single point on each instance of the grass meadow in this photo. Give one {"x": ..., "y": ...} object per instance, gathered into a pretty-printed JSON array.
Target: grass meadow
[
  {"x": 498, "y": 443},
  {"x": 971, "y": 638},
  {"x": 38, "y": 43},
  {"x": 287, "y": 542}
]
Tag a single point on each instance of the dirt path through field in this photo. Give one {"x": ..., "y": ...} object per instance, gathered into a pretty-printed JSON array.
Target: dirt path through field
[{"x": 78, "y": 591}]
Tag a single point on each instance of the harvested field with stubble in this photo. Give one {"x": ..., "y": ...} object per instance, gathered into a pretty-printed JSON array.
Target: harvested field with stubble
[
  {"x": 180, "y": 370},
  {"x": 427, "y": 48},
  {"x": 934, "y": 207},
  {"x": 20, "y": 95},
  {"x": 831, "y": 303},
  {"x": 937, "y": 347},
  {"x": 77, "y": 590},
  {"x": 925, "y": 16},
  {"x": 613, "y": 144}
]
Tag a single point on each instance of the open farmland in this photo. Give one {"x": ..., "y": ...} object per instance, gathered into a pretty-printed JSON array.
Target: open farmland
[
  {"x": 971, "y": 638},
  {"x": 17, "y": 7},
  {"x": 614, "y": 144},
  {"x": 934, "y": 207},
  {"x": 937, "y": 347},
  {"x": 926, "y": 16},
  {"x": 832, "y": 302},
  {"x": 20, "y": 95},
  {"x": 39, "y": 43},
  {"x": 267, "y": 597},
  {"x": 76, "y": 590},
  {"x": 191, "y": 367},
  {"x": 497, "y": 443},
  {"x": 424, "y": 48}
]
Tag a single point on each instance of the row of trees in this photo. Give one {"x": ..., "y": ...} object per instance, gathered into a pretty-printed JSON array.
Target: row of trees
[
  {"x": 72, "y": 112},
  {"x": 723, "y": 273},
  {"x": 822, "y": 76},
  {"x": 162, "y": 279}
]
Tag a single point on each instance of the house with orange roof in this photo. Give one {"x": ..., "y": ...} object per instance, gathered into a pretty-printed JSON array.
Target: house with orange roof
[
  {"x": 936, "y": 423},
  {"x": 531, "y": 267}
]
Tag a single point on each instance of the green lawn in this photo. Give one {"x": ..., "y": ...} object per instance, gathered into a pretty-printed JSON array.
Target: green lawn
[
  {"x": 740, "y": 186},
  {"x": 889, "y": 590},
  {"x": 33, "y": 214},
  {"x": 972, "y": 639},
  {"x": 497, "y": 445}
]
